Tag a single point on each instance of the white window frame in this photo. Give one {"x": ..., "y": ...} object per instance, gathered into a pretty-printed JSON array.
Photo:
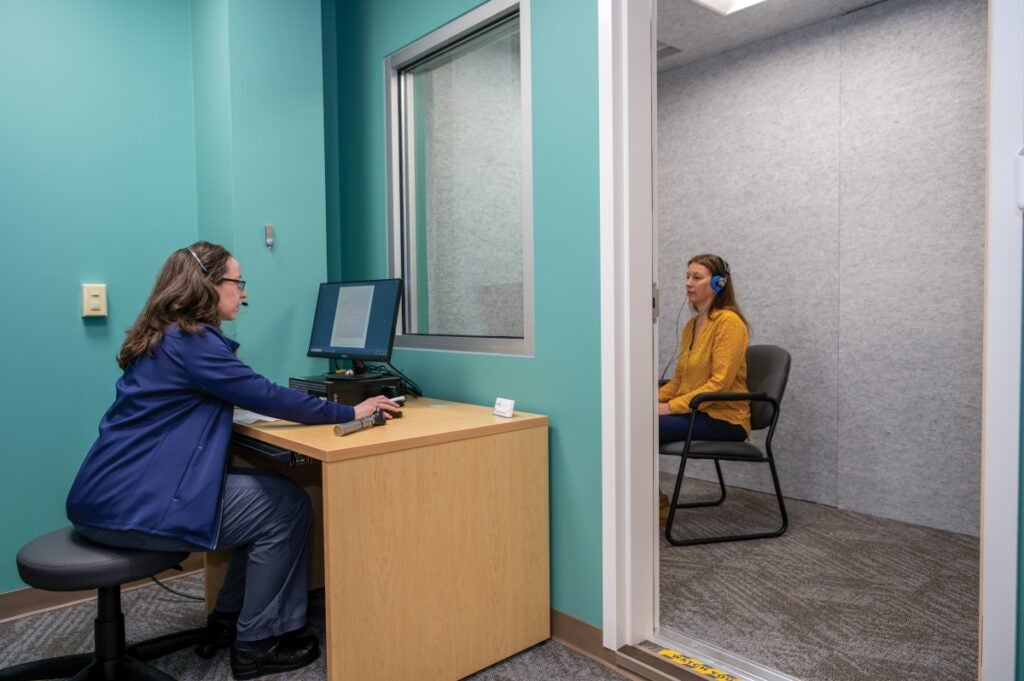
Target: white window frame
[{"x": 401, "y": 196}]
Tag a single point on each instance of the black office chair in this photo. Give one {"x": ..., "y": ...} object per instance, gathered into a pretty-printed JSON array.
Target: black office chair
[
  {"x": 767, "y": 374},
  {"x": 64, "y": 560}
]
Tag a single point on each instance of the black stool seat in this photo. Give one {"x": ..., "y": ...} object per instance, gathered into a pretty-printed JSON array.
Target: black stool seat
[{"x": 64, "y": 560}]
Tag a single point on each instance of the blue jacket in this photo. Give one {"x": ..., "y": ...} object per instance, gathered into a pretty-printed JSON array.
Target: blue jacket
[{"x": 160, "y": 461}]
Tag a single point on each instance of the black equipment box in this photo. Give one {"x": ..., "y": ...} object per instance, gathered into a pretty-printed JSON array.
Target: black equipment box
[{"x": 350, "y": 390}]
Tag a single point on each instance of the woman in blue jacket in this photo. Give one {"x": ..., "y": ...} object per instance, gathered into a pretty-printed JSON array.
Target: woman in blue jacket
[{"x": 157, "y": 476}]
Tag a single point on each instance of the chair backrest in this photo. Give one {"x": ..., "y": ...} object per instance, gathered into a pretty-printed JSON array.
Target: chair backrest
[{"x": 767, "y": 372}]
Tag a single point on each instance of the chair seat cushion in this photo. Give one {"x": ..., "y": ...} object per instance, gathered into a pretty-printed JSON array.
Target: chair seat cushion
[
  {"x": 713, "y": 449},
  {"x": 64, "y": 560}
]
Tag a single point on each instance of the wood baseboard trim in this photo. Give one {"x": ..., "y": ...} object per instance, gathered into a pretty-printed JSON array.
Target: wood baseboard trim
[
  {"x": 29, "y": 601},
  {"x": 586, "y": 639}
]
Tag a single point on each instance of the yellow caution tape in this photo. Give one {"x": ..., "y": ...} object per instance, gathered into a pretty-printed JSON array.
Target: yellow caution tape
[{"x": 697, "y": 666}]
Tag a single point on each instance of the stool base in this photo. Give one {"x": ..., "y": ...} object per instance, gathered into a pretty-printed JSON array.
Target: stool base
[{"x": 112, "y": 660}]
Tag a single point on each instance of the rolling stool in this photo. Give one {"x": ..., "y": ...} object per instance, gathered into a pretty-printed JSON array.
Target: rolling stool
[{"x": 64, "y": 560}]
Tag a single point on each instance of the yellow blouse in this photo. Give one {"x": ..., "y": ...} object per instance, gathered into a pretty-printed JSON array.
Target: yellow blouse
[{"x": 716, "y": 361}]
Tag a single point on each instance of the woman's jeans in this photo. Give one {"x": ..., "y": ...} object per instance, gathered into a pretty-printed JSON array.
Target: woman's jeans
[{"x": 674, "y": 427}]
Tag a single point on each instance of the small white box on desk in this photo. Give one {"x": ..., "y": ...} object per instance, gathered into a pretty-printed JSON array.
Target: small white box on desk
[{"x": 504, "y": 407}]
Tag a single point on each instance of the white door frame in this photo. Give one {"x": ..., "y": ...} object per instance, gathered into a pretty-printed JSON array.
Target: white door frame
[
  {"x": 627, "y": 128},
  {"x": 1001, "y": 384},
  {"x": 626, "y": 68}
]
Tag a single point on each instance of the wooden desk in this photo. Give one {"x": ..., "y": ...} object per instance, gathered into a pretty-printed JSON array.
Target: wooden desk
[{"x": 434, "y": 552}]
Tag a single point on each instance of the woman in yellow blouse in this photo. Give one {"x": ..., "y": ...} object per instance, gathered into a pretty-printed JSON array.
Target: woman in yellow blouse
[{"x": 712, "y": 358}]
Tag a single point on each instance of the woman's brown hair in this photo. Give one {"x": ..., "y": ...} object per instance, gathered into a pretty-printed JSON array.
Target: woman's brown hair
[
  {"x": 183, "y": 294},
  {"x": 726, "y": 298}
]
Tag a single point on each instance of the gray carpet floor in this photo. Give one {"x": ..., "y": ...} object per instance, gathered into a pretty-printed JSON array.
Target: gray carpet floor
[
  {"x": 150, "y": 611},
  {"x": 841, "y": 596}
]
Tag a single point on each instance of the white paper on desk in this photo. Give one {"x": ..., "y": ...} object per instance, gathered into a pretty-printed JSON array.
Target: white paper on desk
[{"x": 247, "y": 417}]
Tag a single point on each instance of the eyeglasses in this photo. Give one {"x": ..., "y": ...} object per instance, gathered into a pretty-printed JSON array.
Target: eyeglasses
[{"x": 240, "y": 282}]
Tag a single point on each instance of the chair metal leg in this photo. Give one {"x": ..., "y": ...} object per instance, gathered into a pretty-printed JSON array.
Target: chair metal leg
[
  {"x": 735, "y": 537},
  {"x": 674, "y": 501},
  {"x": 721, "y": 492},
  {"x": 778, "y": 495}
]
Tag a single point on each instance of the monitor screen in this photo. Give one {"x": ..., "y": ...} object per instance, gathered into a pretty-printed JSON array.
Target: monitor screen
[{"x": 356, "y": 320}]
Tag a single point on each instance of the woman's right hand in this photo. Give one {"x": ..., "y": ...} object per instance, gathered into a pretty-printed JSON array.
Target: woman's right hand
[{"x": 372, "y": 404}]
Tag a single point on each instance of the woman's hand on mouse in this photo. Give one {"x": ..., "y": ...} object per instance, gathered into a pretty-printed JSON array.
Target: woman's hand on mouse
[{"x": 372, "y": 404}]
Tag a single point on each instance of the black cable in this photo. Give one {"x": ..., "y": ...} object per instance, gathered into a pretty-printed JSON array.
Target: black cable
[
  {"x": 175, "y": 592},
  {"x": 413, "y": 388},
  {"x": 679, "y": 333}
]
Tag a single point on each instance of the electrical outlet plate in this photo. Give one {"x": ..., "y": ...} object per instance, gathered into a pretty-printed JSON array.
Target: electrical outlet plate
[{"x": 94, "y": 300}]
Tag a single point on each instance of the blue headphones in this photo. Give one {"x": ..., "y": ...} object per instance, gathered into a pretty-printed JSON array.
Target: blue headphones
[{"x": 719, "y": 281}]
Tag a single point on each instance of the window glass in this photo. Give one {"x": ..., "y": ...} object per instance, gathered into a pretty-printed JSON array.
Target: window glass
[{"x": 460, "y": 185}]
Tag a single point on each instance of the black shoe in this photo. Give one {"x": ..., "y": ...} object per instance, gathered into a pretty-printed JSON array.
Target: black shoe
[
  {"x": 286, "y": 654},
  {"x": 219, "y": 634}
]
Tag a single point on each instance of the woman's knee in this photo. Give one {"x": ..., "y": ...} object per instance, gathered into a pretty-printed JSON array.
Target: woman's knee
[{"x": 672, "y": 427}]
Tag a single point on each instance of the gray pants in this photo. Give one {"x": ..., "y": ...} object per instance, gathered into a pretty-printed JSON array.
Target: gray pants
[{"x": 265, "y": 518}]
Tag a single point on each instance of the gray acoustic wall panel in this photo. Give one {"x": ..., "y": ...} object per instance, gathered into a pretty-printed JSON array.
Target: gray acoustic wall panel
[
  {"x": 912, "y": 261},
  {"x": 729, "y": 169},
  {"x": 472, "y": 190},
  {"x": 808, "y": 161}
]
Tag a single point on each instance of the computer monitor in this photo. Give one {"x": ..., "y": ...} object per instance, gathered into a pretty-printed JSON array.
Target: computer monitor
[{"x": 356, "y": 320}]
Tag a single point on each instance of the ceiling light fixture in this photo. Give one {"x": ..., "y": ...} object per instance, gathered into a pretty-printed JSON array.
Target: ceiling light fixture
[{"x": 727, "y": 7}]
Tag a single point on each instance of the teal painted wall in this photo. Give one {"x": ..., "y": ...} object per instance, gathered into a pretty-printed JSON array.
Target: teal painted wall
[
  {"x": 563, "y": 379},
  {"x": 122, "y": 139},
  {"x": 354, "y": 155},
  {"x": 274, "y": 157},
  {"x": 211, "y": 74},
  {"x": 97, "y": 184},
  {"x": 332, "y": 159}
]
